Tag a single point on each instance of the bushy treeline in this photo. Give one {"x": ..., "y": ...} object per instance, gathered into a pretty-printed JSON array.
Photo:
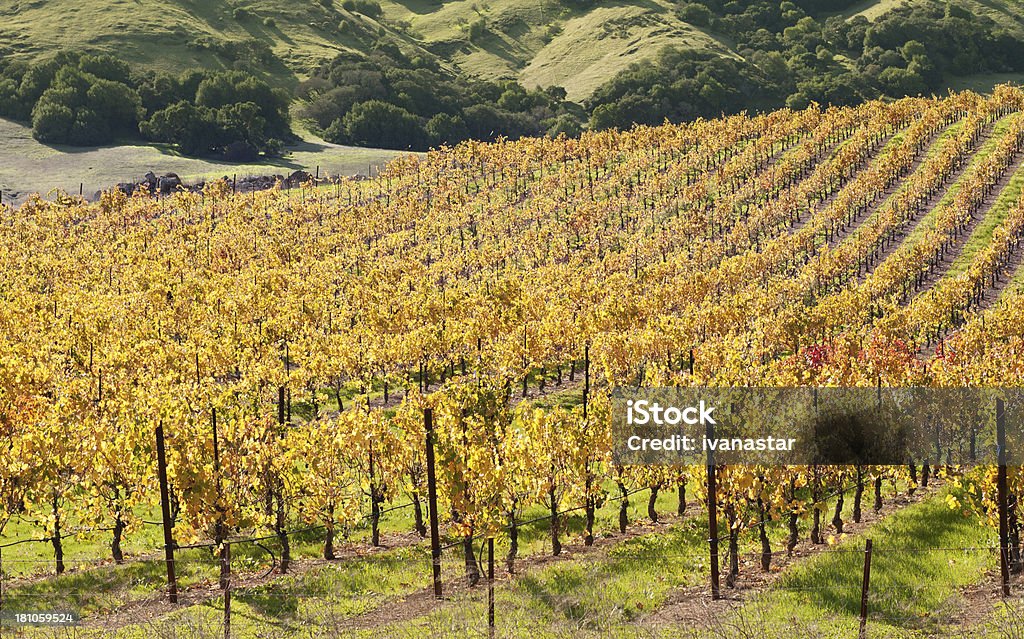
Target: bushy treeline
[
  {"x": 390, "y": 101},
  {"x": 788, "y": 55},
  {"x": 81, "y": 99}
]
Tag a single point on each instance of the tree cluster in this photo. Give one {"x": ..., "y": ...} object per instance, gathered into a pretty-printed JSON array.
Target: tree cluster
[
  {"x": 388, "y": 100},
  {"x": 85, "y": 100}
]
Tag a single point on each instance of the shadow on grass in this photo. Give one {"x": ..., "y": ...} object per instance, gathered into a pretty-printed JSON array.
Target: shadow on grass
[
  {"x": 588, "y": 591},
  {"x": 103, "y": 588},
  {"x": 271, "y": 601},
  {"x": 912, "y": 568},
  {"x": 368, "y": 577}
]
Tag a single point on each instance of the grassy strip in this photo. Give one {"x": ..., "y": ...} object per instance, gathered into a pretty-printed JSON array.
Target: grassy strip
[
  {"x": 912, "y": 591},
  {"x": 595, "y": 596},
  {"x": 587, "y": 597},
  {"x": 982, "y": 235},
  {"x": 1016, "y": 286},
  {"x": 603, "y": 593},
  {"x": 347, "y": 587},
  {"x": 927, "y": 223}
]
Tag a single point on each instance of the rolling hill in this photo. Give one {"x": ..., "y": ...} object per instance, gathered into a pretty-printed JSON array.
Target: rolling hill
[
  {"x": 542, "y": 42},
  {"x": 574, "y": 44}
]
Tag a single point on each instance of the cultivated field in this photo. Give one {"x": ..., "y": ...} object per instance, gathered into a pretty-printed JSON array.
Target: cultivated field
[{"x": 258, "y": 376}]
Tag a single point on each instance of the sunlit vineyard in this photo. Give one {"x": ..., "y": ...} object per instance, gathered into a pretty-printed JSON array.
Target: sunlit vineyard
[{"x": 288, "y": 342}]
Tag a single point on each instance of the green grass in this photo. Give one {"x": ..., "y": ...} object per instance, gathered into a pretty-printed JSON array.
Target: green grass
[
  {"x": 586, "y": 593},
  {"x": 162, "y": 34},
  {"x": 28, "y": 166},
  {"x": 984, "y": 82},
  {"x": 1014, "y": 288},
  {"x": 982, "y": 235},
  {"x": 1016, "y": 284},
  {"x": 913, "y": 590},
  {"x": 610, "y": 592},
  {"x": 592, "y": 47},
  {"x": 872, "y": 9},
  {"x": 614, "y": 594},
  {"x": 344, "y": 588},
  {"x": 927, "y": 222},
  {"x": 539, "y": 41},
  {"x": 587, "y": 597}
]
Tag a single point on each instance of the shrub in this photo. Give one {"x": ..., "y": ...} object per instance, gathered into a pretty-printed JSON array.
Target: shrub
[
  {"x": 82, "y": 109},
  {"x": 696, "y": 14},
  {"x": 477, "y": 29},
  {"x": 380, "y": 124},
  {"x": 366, "y": 7},
  {"x": 448, "y": 129}
]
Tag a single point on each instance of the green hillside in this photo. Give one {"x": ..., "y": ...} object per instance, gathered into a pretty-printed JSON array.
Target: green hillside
[
  {"x": 175, "y": 35},
  {"x": 1009, "y": 13},
  {"x": 574, "y": 44},
  {"x": 542, "y": 42},
  {"x": 545, "y": 43}
]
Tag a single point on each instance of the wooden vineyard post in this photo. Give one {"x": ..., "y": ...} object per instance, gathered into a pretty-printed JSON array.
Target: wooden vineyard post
[
  {"x": 1002, "y": 489},
  {"x": 864, "y": 590},
  {"x": 435, "y": 535},
  {"x": 221, "y": 531},
  {"x": 225, "y": 559},
  {"x": 974, "y": 443},
  {"x": 490, "y": 587},
  {"x": 713, "y": 516},
  {"x": 586, "y": 377},
  {"x": 165, "y": 508}
]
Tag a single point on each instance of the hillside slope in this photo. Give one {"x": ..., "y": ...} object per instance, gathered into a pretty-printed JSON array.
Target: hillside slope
[
  {"x": 573, "y": 44},
  {"x": 1008, "y": 13},
  {"x": 175, "y": 35},
  {"x": 544, "y": 43},
  {"x": 844, "y": 247}
]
